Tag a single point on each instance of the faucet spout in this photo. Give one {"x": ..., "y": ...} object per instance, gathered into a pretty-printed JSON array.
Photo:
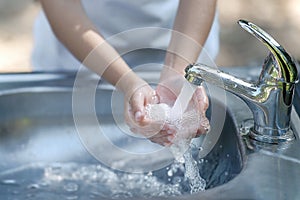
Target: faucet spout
[
  {"x": 199, "y": 73},
  {"x": 270, "y": 98}
]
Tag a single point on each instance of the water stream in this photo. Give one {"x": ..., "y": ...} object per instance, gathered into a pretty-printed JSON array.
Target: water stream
[
  {"x": 186, "y": 123},
  {"x": 183, "y": 100},
  {"x": 197, "y": 183}
]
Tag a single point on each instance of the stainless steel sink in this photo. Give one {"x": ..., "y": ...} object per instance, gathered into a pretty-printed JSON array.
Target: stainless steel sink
[
  {"x": 38, "y": 134},
  {"x": 44, "y": 157}
]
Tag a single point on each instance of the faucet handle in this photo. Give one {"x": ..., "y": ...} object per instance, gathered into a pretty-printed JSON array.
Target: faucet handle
[{"x": 279, "y": 66}]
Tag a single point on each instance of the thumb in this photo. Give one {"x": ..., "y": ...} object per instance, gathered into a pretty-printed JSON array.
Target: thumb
[
  {"x": 200, "y": 99},
  {"x": 137, "y": 106}
]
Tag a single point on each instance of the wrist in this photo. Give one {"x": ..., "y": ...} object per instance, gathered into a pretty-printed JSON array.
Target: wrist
[
  {"x": 174, "y": 69},
  {"x": 175, "y": 63},
  {"x": 129, "y": 83}
]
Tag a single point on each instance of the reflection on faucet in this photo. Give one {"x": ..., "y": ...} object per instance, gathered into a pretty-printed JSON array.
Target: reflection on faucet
[{"x": 270, "y": 98}]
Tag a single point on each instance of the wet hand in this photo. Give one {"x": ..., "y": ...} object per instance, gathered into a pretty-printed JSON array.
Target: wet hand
[
  {"x": 168, "y": 91},
  {"x": 135, "y": 115}
]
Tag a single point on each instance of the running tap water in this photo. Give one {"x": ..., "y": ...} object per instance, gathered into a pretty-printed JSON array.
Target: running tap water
[{"x": 186, "y": 122}]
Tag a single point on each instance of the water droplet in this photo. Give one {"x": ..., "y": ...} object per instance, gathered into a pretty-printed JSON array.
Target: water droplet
[
  {"x": 71, "y": 187},
  {"x": 170, "y": 173},
  {"x": 227, "y": 155},
  {"x": 123, "y": 194},
  {"x": 176, "y": 180},
  {"x": 221, "y": 146},
  {"x": 148, "y": 185},
  {"x": 180, "y": 160},
  {"x": 33, "y": 186},
  {"x": 150, "y": 173},
  {"x": 226, "y": 173},
  {"x": 44, "y": 183},
  {"x": 9, "y": 182},
  {"x": 72, "y": 197},
  {"x": 98, "y": 167}
]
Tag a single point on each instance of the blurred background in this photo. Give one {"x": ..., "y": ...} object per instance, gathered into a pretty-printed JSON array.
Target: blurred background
[{"x": 238, "y": 48}]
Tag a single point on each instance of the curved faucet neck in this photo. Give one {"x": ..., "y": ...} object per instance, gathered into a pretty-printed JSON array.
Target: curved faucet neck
[
  {"x": 270, "y": 98},
  {"x": 279, "y": 65}
]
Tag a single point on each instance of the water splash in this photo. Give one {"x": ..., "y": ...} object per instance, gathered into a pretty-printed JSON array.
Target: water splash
[
  {"x": 9, "y": 182},
  {"x": 197, "y": 183},
  {"x": 71, "y": 187},
  {"x": 73, "y": 180},
  {"x": 94, "y": 181},
  {"x": 186, "y": 121}
]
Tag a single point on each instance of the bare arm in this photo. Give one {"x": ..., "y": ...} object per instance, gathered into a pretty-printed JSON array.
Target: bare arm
[
  {"x": 191, "y": 28},
  {"x": 73, "y": 28}
]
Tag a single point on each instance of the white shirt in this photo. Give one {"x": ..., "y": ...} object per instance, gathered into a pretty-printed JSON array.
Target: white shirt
[{"x": 127, "y": 25}]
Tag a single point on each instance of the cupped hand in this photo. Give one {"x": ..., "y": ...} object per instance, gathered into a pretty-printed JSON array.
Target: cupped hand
[
  {"x": 135, "y": 115},
  {"x": 169, "y": 89}
]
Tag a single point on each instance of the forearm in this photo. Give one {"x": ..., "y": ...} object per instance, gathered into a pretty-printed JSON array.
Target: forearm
[
  {"x": 191, "y": 28},
  {"x": 73, "y": 28}
]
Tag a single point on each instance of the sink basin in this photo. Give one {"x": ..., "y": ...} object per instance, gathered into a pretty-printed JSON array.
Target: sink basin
[
  {"x": 48, "y": 151},
  {"x": 43, "y": 155}
]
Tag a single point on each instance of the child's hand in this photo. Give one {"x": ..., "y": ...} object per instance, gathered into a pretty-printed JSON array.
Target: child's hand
[
  {"x": 135, "y": 115},
  {"x": 168, "y": 91}
]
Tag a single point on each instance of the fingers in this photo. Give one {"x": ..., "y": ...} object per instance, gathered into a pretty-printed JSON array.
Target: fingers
[
  {"x": 164, "y": 138},
  {"x": 204, "y": 126},
  {"x": 153, "y": 98},
  {"x": 200, "y": 99},
  {"x": 135, "y": 115},
  {"x": 162, "y": 141},
  {"x": 157, "y": 131},
  {"x": 146, "y": 127},
  {"x": 147, "y": 131},
  {"x": 166, "y": 94},
  {"x": 139, "y": 99},
  {"x": 137, "y": 106}
]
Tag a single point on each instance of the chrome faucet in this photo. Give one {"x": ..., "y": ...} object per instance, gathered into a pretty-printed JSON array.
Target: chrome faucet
[{"x": 270, "y": 98}]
